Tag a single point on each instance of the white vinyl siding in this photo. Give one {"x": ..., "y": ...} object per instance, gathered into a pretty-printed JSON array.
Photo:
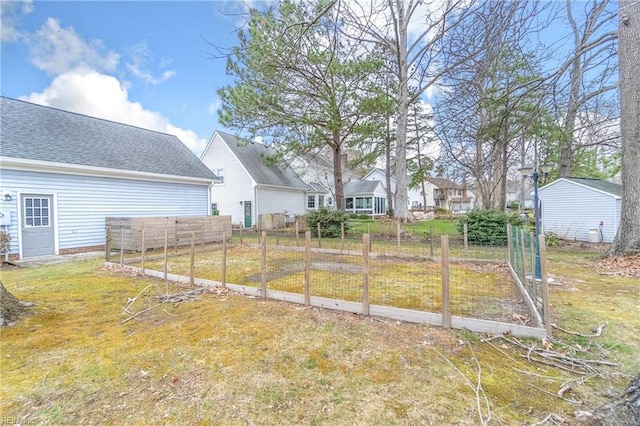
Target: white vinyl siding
[
  {"x": 83, "y": 202},
  {"x": 238, "y": 188},
  {"x": 274, "y": 200},
  {"x": 570, "y": 210}
]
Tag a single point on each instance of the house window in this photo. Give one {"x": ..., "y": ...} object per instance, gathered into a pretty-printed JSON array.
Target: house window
[
  {"x": 220, "y": 174},
  {"x": 36, "y": 212},
  {"x": 311, "y": 201},
  {"x": 364, "y": 203},
  {"x": 349, "y": 203},
  {"x": 320, "y": 201},
  {"x": 214, "y": 207}
]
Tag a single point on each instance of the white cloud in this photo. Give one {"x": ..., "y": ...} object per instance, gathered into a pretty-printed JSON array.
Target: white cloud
[
  {"x": 140, "y": 56},
  {"x": 56, "y": 50},
  {"x": 89, "y": 92},
  {"x": 11, "y": 13},
  {"x": 214, "y": 106}
]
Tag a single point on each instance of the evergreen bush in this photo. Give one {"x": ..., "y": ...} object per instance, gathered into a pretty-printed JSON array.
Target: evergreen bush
[
  {"x": 487, "y": 226},
  {"x": 329, "y": 220}
]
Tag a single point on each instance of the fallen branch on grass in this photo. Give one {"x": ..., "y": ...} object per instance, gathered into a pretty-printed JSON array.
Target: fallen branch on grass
[
  {"x": 596, "y": 333},
  {"x": 481, "y": 396},
  {"x": 553, "y": 418},
  {"x": 560, "y": 360},
  {"x": 165, "y": 298}
]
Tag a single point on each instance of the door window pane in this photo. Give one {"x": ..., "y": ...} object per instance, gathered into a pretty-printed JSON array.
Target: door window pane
[{"x": 36, "y": 212}]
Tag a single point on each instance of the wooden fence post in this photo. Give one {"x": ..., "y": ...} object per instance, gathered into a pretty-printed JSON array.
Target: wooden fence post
[
  {"x": 297, "y": 231},
  {"x": 398, "y": 234},
  {"x": 319, "y": 236},
  {"x": 341, "y": 235},
  {"x": 307, "y": 268},
  {"x": 263, "y": 266},
  {"x": 107, "y": 243},
  {"x": 365, "y": 274},
  {"x": 241, "y": 226},
  {"x": 166, "y": 248},
  {"x": 142, "y": 250},
  {"x": 192, "y": 257},
  {"x": 224, "y": 260},
  {"x": 446, "y": 308},
  {"x": 546, "y": 303},
  {"x": 122, "y": 245},
  {"x": 203, "y": 234},
  {"x": 176, "y": 235},
  {"x": 465, "y": 230}
]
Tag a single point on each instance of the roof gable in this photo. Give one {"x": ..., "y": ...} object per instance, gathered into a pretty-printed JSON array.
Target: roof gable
[
  {"x": 37, "y": 133},
  {"x": 254, "y": 158},
  {"x": 599, "y": 185},
  {"x": 442, "y": 183}
]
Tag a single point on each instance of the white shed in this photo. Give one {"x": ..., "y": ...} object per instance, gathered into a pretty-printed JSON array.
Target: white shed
[{"x": 571, "y": 207}]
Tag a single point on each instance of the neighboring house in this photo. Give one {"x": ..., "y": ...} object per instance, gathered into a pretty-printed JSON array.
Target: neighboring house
[
  {"x": 365, "y": 197},
  {"x": 317, "y": 196},
  {"x": 449, "y": 195},
  {"x": 63, "y": 173},
  {"x": 571, "y": 207},
  {"x": 317, "y": 169},
  {"x": 415, "y": 199},
  {"x": 249, "y": 185}
]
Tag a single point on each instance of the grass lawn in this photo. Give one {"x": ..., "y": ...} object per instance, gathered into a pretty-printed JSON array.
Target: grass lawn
[
  {"x": 227, "y": 359},
  {"x": 388, "y": 227}
]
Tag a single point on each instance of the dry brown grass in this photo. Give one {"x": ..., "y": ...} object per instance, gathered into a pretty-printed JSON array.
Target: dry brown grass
[{"x": 235, "y": 360}]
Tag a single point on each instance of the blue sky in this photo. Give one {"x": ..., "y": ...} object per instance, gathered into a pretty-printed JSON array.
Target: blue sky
[{"x": 145, "y": 63}]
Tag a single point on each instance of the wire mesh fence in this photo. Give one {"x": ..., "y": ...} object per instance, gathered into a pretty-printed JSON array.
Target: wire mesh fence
[
  {"x": 526, "y": 258},
  {"x": 430, "y": 275}
]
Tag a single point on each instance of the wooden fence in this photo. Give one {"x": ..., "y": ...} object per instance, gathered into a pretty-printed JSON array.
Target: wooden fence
[{"x": 146, "y": 233}]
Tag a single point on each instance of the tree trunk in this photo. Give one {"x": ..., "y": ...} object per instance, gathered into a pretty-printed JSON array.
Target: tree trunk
[
  {"x": 10, "y": 306},
  {"x": 337, "y": 172},
  {"x": 627, "y": 240},
  {"x": 625, "y": 410}
]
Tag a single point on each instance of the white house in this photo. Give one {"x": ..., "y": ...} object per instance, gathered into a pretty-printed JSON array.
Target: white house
[
  {"x": 365, "y": 197},
  {"x": 62, "y": 174},
  {"x": 249, "y": 184},
  {"x": 415, "y": 198},
  {"x": 451, "y": 196},
  {"x": 571, "y": 207},
  {"x": 316, "y": 170}
]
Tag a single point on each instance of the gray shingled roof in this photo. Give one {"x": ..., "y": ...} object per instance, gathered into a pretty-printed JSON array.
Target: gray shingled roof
[
  {"x": 601, "y": 185},
  {"x": 254, "y": 157},
  {"x": 360, "y": 187},
  {"x": 35, "y": 132},
  {"x": 316, "y": 187},
  {"x": 442, "y": 183}
]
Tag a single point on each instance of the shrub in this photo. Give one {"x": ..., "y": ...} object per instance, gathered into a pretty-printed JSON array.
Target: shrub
[
  {"x": 329, "y": 220},
  {"x": 487, "y": 226},
  {"x": 551, "y": 239}
]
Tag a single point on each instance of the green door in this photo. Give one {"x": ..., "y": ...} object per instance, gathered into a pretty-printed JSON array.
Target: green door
[{"x": 247, "y": 214}]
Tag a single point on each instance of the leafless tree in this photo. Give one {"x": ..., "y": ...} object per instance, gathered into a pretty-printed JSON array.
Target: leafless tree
[
  {"x": 414, "y": 33},
  {"x": 585, "y": 83}
]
